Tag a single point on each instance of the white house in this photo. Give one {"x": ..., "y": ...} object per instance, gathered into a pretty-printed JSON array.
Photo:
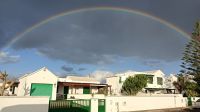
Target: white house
[
  {"x": 45, "y": 83},
  {"x": 12, "y": 90},
  {"x": 169, "y": 80},
  {"x": 39, "y": 83},
  {"x": 77, "y": 86},
  {"x": 155, "y": 81}
]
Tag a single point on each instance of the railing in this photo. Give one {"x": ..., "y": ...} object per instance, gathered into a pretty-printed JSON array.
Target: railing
[{"x": 70, "y": 106}]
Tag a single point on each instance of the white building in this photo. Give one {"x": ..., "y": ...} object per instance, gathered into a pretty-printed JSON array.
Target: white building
[
  {"x": 12, "y": 90},
  {"x": 78, "y": 87},
  {"x": 169, "y": 80},
  {"x": 155, "y": 81},
  {"x": 45, "y": 83},
  {"x": 39, "y": 83}
]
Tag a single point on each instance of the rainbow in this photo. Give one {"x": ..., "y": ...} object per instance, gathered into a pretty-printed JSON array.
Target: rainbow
[{"x": 133, "y": 11}]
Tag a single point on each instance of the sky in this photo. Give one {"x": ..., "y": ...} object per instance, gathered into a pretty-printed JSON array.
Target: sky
[{"x": 85, "y": 37}]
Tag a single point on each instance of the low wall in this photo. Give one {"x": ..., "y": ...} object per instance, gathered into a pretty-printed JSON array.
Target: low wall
[
  {"x": 130, "y": 103},
  {"x": 24, "y": 104},
  {"x": 159, "y": 95},
  {"x": 194, "y": 99},
  {"x": 86, "y": 96}
]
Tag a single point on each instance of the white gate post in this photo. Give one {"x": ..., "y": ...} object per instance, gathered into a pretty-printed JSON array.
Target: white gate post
[{"x": 94, "y": 105}]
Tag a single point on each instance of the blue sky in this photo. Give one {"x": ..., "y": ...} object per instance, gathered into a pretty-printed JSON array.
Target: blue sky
[{"x": 93, "y": 40}]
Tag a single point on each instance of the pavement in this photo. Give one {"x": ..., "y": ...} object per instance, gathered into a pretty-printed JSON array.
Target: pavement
[{"x": 174, "y": 110}]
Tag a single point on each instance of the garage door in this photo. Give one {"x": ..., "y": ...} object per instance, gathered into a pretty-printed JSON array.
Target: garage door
[{"x": 41, "y": 90}]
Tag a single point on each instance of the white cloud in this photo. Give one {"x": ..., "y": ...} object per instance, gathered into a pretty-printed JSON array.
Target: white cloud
[
  {"x": 6, "y": 58},
  {"x": 101, "y": 75}
]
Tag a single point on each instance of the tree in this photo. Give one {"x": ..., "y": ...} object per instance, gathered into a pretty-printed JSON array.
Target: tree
[
  {"x": 191, "y": 56},
  {"x": 180, "y": 84},
  {"x": 186, "y": 86},
  {"x": 134, "y": 84},
  {"x": 190, "y": 89},
  {"x": 6, "y": 83}
]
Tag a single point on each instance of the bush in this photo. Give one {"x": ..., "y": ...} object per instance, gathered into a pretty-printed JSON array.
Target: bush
[{"x": 134, "y": 84}]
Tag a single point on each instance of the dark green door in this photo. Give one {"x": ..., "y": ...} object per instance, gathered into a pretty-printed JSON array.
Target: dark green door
[
  {"x": 189, "y": 101},
  {"x": 66, "y": 91},
  {"x": 102, "y": 105},
  {"x": 41, "y": 90},
  {"x": 86, "y": 90}
]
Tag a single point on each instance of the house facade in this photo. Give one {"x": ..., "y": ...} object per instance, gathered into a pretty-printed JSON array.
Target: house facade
[
  {"x": 39, "y": 83},
  {"x": 169, "y": 80},
  {"x": 45, "y": 83},
  {"x": 74, "y": 86},
  {"x": 156, "y": 79}
]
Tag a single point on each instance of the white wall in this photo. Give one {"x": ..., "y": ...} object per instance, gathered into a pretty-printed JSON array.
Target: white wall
[
  {"x": 194, "y": 99},
  {"x": 94, "y": 90},
  {"x": 115, "y": 85},
  {"x": 79, "y": 90},
  {"x": 24, "y": 104},
  {"x": 16, "y": 90},
  {"x": 76, "y": 89},
  {"x": 94, "y": 105},
  {"x": 60, "y": 89},
  {"x": 169, "y": 81},
  {"x": 130, "y": 103},
  {"x": 43, "y": 76}
]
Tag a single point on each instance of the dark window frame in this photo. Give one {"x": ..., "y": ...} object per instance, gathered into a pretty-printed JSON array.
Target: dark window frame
[
  {"x": 159, "y": 80},
  {"x": 148, "y": 79}
]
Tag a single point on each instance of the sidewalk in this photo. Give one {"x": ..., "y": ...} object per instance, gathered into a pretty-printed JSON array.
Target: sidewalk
[{"x": 173, "y": 110}]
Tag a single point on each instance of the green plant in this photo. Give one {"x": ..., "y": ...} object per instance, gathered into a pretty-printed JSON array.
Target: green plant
[
  {"x": 190, "y": 89},
  {"x": 133, "y": 85},
  {"x": 180, "y": 84},
  {"x": 191, "y": 56},
  {"x": 186, "y": 87}
]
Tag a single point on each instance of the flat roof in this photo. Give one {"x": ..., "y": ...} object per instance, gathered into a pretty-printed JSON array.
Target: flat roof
[{"x": 83, "y": 84}]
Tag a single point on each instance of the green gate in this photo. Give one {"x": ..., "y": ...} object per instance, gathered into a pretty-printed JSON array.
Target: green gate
[
  {"x": 101, "y": 105},
  {"x": 70, "y": 106}
]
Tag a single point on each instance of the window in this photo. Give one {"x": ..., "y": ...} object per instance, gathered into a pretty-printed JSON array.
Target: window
[
  {"x": 159, "y": 81},
  {"x": 150, "y": 79},
  {"x": 120, "y": 79}
]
